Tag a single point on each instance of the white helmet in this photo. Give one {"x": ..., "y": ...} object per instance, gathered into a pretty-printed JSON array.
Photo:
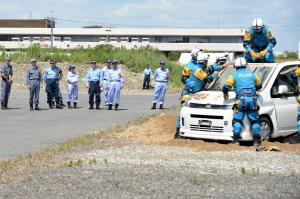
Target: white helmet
[
  {"x": 240, "y": 62},
  {"x": 201, "y": 58},
  {"x": 257, "y": 24},
  {"x": 195, "y": 52}
]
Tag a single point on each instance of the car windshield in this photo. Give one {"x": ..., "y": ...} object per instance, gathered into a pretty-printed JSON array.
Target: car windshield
[{"x": 261, "y": 71}]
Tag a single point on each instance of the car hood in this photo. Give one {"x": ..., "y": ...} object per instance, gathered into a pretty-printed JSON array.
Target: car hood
[{"x": 212, "y": 97}]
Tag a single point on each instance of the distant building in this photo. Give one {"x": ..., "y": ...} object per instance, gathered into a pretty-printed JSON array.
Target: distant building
[
  {"x": 26, "y": 23},
  {"x": 211, "y": 39}
]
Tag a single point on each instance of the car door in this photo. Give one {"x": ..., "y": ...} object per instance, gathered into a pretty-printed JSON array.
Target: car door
[{"x": 285, "y": 103}]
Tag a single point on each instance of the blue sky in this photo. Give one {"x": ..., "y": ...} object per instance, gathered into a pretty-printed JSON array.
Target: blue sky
[{"x": 282, "y": 15}]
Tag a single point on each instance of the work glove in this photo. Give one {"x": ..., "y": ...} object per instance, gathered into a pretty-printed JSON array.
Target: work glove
[
  {"x": 226, "y": 96},
  {"x": 263, "y": 53},
  {"x": 254, "y": 54}
]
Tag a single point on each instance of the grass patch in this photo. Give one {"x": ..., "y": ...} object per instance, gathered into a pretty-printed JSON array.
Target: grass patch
[
  {"x": 196, "y": 181},
  {"x": 44, "y": 158}
]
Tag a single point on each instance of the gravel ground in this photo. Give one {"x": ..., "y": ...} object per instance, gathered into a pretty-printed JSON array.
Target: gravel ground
[{"x": 130, "y": 170}]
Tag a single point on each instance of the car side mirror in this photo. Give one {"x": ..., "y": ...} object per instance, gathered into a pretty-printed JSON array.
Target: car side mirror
[{"x": 283, "y": 89}]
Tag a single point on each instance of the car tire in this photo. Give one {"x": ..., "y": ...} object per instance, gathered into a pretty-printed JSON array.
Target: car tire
[{"x": 266, "y": 128}]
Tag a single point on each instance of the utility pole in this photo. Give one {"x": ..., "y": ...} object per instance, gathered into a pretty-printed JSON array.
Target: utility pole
[{"x": 51, "y": 23}]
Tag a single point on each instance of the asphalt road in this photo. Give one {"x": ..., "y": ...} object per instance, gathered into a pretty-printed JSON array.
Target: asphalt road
[{"x": 23, "y": 131}]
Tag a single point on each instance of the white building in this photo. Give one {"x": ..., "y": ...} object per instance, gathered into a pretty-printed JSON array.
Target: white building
[{"x": 216, "y": 40}]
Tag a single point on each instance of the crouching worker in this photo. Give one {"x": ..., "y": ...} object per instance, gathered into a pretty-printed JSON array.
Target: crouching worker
[
  {"x": 245, "y": 84},
  {"x": 72, "y": 79}
]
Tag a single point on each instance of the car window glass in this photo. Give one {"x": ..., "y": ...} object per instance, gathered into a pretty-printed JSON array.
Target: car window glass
[{"x": 284, "y": 78}]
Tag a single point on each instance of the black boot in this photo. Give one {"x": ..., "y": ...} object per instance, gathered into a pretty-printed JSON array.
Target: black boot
[
  {"x": 110, "y": 107},
  {"x": 91, "y": 106},
  {"x": 161, "y": 106},
  {"x": 2, "y": 106},
  {"x": 177, "y": 134},
  {"x": 31, "y": 106},
  {"x": 256, "y": 141},
  {"x": 50, "y": 106},
  {"x": 98, "y": 106},
  {"x": 69, "y": 105},
  {"x": 58, "y": 106},
  {"x": 153, "y": 106},
  {"x": 36, "y": 107},
  {"x": 236, "y": 140},
  {"x": 116, "y": 106},
  {"x": 5, "y": 106},
  {"x": 75, "y": 105}
]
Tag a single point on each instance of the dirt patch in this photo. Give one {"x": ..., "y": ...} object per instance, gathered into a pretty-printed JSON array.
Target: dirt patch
[{"x": 160, "y": 130}]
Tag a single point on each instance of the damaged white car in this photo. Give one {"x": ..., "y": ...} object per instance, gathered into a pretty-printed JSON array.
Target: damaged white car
[{"x": 206, "y": 115}]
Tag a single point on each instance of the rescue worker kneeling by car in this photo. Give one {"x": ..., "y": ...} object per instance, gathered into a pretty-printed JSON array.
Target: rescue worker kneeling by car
[
  {"x": 259, "y": 42},
  {"x": 245, "y": 84}
]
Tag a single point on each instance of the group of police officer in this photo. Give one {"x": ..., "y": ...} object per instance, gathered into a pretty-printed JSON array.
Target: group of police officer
[{"x": 110, "y": 79}]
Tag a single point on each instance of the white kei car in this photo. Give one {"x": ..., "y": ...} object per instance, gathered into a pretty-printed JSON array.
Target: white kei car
[{"x": 206, "y": 115}]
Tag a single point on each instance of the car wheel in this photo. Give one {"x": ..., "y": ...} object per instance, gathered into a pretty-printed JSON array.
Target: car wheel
[{"x": 265, "y": 128}]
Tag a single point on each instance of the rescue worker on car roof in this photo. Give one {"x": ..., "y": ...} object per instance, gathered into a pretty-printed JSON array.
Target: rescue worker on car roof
[
  {"x": 245, "y": 84},
  {"x": 6, "y": 81},
  {"x": 161, "y": 76},
  {"x": 196, "y": 77},
  {"x": 259, "y": 42},
  {"x": 34, "y": 78}
]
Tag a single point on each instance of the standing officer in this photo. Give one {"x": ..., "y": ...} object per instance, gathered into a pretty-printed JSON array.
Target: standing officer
[
  {"x": 52, "y": 76},
  {"x": 147, "y": 76},
  {"x": 116, "y": 80},
  {"x": 245, "y": 84},
  {"x": 161, "y": 76},
  {"x": 93, "y": 83},
  {"x": 33, "y": 81},
  {"x": 259, "y": 42},
  {"x": 6, "y": 82},
  {"x": 105, "y": 81},
  {"x": 72, "y": 79}
]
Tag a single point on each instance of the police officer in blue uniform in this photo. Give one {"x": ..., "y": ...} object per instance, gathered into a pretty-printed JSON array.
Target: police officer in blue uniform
[
  {"x": 105, "y": 81},
  {"x": 259, "y": 42},
  {"x": 245, "y": 83},
  {"x": 147, "y": 77},
  {"x": 93, "y": 83},
  {"x": 6, "y": 82},
  {"x": 161, "y": 76},
  {"x": 52, "y": 76},
  {"x": 116, "y": 80},
  {"x": 33, "y": 81}
]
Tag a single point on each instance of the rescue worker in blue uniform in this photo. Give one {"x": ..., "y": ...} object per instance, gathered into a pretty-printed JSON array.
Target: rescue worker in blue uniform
[
  {"x": 147, "y": 77},
  {"x": 196, "y": 77},
  {"x": 245, "y": 84},
  {"x": 93, "y": 83},
  {"x": 52, "y": 76},
  {"x": 161, "y": 76},
  {"x": 116, "y": 80},
  {"x": 72, "y": 80},
  {"x": 34, "y": 78},
  {"x": 6, "y": 82},
  {"x": 259, "y": 42},
  {"x": 105, "y": 81}
]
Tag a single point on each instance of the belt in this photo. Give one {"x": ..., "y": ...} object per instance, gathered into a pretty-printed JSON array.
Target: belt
[
  {"x": 35, "y": 79},
  {"x": 95, "y": 81},
  {"x": 247, "y": 93},
  {"x": 115, "y": 81},
  {"x": 162, "y": 81}
]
